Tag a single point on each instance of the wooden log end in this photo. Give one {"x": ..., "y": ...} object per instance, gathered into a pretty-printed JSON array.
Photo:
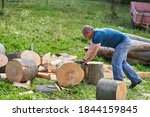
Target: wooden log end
[
  {"x": 3, "y": 60},
  {"x": 27, "y": 54},
  {"x": 111, "y": 90},
  {"x": 14, "y": 71},
  {"x": 69, "y": 74}
]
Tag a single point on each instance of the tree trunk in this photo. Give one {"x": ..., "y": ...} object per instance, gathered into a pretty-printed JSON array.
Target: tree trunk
[
  {"x": 69, "y": 74},
  {"x": 21, "y": 70},
  {"x": 111, "y": 90},
  {"x": 93, "y": 72},
  {"x": 138, "y": 38},
  {"x": 27, "y": 54}
]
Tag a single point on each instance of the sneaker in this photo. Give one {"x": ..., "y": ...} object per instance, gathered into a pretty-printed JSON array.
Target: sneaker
[{"x": 133, "y": 85}]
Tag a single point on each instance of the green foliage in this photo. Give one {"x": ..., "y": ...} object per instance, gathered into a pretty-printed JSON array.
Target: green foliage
[{"x": 56, "y": 27}]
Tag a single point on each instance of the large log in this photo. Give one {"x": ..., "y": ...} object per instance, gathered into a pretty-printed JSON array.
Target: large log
[
  {"x": 21, "y": 70},
  {"x": 69, "y": 74},
  {"x": 93, "y": 72},
  {"x": 111, "y": 90},
  {"x": 138, "y": 38},
  {"x": 27, "y": 54}
]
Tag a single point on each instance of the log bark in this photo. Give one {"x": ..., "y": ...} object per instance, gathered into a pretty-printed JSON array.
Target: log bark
[
  {"x": 27, "y": 54},
  {"x": 69, "y": 74},
  {"x": 111, "y": 90},
  {"x": 21, "y": 70},
  {"x": 138, "y": 38},
  {"x": 93, "y": 72}
]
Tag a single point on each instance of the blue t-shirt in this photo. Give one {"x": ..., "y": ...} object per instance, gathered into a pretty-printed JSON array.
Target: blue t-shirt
[{"x": 108, "y": 37}]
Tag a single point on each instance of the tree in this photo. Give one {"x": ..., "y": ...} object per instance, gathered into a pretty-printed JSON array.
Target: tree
[{"x": 2, "y": 13}]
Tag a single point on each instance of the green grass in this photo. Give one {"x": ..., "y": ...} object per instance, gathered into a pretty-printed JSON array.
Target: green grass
[{"x": 56, "y": 27}]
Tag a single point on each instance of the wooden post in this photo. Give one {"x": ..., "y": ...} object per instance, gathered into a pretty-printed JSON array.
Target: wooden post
[
  {"x": 69, "y": 74},
  {"x": 21, "y": 70},
  {"x": 111, "y": 90},
  {"x": 93, "y": 72}
]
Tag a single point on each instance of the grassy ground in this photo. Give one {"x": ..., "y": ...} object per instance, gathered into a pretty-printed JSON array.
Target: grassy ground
[{"x": 56, "y": 27}]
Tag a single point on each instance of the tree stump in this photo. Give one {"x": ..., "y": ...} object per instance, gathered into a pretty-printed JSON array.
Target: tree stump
[
  {"x": 21, "y": 70},
  {"x": 69, "y": 74},
  {"x": 111, "y": 90},
  {"x": 3, "y": 62},
  {"x": 27, "y": 54},
  {"x": 2, "y": 49},
  {"x": 93, "y": 72}
]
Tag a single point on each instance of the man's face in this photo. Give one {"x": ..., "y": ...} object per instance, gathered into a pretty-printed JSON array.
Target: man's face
[{"x": 87, "y": 34}]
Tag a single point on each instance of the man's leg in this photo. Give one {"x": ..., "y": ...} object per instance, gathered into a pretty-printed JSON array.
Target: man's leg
[
  {"x": 119, "y": 55},
  {"x": 131, "y": 74}
]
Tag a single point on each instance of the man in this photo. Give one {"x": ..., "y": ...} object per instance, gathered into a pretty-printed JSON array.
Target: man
[{"x": 120, "y": 42}]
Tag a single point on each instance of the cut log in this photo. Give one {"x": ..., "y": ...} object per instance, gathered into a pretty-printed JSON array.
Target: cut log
[
  {"x": 144, "y": 74},
  {"x": 46, "y": 58},
  {"x": 69, "y": 74},
  {"x": 21, "y": 70},
  {"x": 111, "y": 90},
  {"x": 93, "y": 72},
  {"x": 2, "y": 49},
  {"x": 27, "y": 54},
  {"x": 3, "y": 62}
]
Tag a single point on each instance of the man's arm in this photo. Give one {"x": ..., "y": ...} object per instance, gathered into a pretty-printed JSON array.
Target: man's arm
[{"x": 91, "y": 53}]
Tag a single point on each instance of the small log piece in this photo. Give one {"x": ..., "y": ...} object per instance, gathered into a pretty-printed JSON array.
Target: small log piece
[
  {"x": 93, "y": 72},
  {"x": 111, "y": 90},
  {"x": 21, "y": 70},
  {"x": 3, "y": 62}
]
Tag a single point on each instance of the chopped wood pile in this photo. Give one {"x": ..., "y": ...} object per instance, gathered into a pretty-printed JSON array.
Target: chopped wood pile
[{"x": 22, "y": 67}]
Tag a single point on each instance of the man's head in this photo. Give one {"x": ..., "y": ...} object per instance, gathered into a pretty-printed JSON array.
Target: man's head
[{"x": 87, "y": 31}]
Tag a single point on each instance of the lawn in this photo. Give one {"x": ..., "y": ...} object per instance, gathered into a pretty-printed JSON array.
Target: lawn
[{"x": 56, "y": 27}]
